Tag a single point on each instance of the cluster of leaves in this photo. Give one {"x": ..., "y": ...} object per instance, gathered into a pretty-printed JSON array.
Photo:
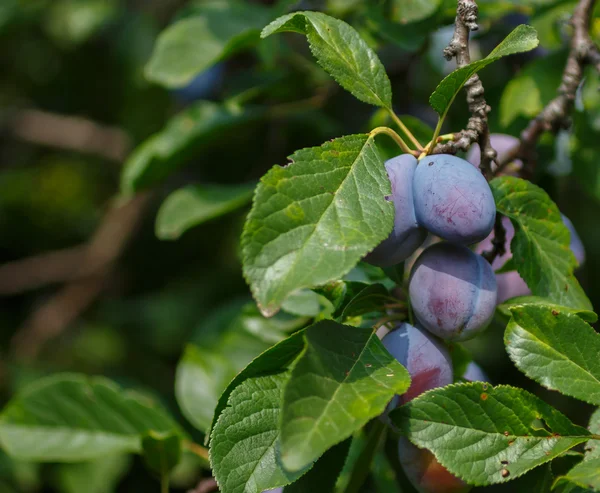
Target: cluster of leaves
[{"x": 290, "y": 399}]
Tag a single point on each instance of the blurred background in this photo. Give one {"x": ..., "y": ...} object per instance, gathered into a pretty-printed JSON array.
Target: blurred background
[{"x": 95, "y": 135}]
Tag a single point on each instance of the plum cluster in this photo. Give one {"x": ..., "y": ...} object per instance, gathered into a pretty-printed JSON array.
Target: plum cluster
[{"x": 452, "y": 290}]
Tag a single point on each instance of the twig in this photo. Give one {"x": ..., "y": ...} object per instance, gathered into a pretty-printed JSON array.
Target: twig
[
  {"x": 67, "y": 132},
  {"x": 205, "y": 486},
  {"x": 477, "y": 127},
  {"x": 40, "y": 270},
  {"x": 556, "y": 115},
  {"x": 61, "y": 309},
  {"x": 498, "y": 241}
]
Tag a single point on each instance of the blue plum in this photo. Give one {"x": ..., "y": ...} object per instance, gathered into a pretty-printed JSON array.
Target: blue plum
[
  {"x": 406, "y": 236},
  {"x": 510, "y": 284},
  {"x": 426, "y": 359},
  {"x": 453, "y": 200},
  {"x": 452, "y": 291},
  {"x": 425, "y": 473},
  {"x": 474, "y": 373}
]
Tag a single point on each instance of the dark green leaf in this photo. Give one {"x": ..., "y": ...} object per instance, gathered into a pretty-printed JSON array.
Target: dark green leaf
[
  {"x": 186, "y": 133},
  {"x": 307, "y": 226},
  {"x": 213, "y": 31},
  {"x": 540, "y": 247},
  {"x": 344, "y": 378},
  {"x": 324, "y": 474},
  {"x": 486, "y": 434},
  {"x": 341, "y": 51},
  {"x": 371, "y": 299},
  {"x": 73, "y": 418},
  {"x": 557, "y": 349},
  {"x": 195, "y": 204},
  {"x": 161, "y": 451},
  {"x": 245, "y": 439},
  {"x": 523, "y": 38},
  {"x": 505, "y": 308},
  {"x": 228, "y": 340},
  {"x": 586, "y": 474},
  {"x": 277, "y": 358}
]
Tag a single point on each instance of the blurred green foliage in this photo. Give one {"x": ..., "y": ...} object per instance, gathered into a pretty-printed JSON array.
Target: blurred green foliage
[{"x": 100, "y": 60}]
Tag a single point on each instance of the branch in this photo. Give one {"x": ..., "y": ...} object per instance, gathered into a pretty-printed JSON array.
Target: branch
[
  {"x": 91, "y": 277},
  {"x": 67, "y": 132},
  {"x": 556, "y": 115},
  {"x": 477, "y": 127}
]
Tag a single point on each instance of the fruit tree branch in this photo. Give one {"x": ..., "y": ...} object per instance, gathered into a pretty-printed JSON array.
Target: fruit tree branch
[
  {"x": 556, "y": 114},
  {"x": 477, "y": 127}
]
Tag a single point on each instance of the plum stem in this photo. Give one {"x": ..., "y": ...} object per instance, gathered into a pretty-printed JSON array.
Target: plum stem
[
  {"x": 405, "y": 129},
  {"x": 395, "y": 137}
]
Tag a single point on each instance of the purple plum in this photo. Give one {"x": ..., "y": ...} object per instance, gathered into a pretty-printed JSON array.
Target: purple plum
[
  {"x": 425, "y": 358},
  {"x": 452, "y": 291},
  {"x": 424, "y": 471},
  {"x": 453, "y": 200},
  {"x": 503, "y": 144},
  {"x": 406, "y": 236},
  {"x": 474, "y": 373},
  {"x": 510, "y": 284}
]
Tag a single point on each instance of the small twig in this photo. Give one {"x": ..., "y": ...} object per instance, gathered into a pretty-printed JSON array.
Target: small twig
[
  {"x": 498, "y": 242},
  {"x": 205, "y": 486},
  {"x": 477, "y": 127},
  {"x": 556, "y": 114},
  {"x": 68, "y": 132}
]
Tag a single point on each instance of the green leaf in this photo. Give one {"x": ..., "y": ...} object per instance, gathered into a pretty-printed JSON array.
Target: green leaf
[
  {"x": 586, "y": 474},
  {"x": 341, "y": 51},
  {"x": 214, "y": 31},
  {"x": 486, "y": 434},
  {"x": 371, "y": 299},
  {"x": 540, "y": 247},
  {"x": 275, "y": 359},
  {"x": 533, "y": 87},
  {"x": 303, "y": 302},
  {"x": 323, "y": 475},
  {"x": 523, "y": 38},
  {"x": 314, "y": 219},
  {"x": 407, "y": 11},
  {"x": 184, "y": 135},
  {"x": 161, "y": 452},
  {"x": 505, "y": 308},
  {"x": 231, "y": 338},
  {"x": 245, "y": 439},
  {"x": 592, "y": 448},
  {"x": 73, "y": 418},
  {"x": 343, "y": 378},
  {"x": 99, "y": 476},
  {"x": 555, "y": 348},
  {"x": 195, "y": 204}
]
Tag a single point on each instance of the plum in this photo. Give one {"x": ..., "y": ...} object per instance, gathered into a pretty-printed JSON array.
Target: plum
[
  {"x": 425, "y": 473},
  {"x": 406, "y": 236},
  {"x": 503, "y": 144},
  {"x": 425, "y": 358},
  {"x": 452, "y": 291},
  {"x": 474, "y": 373},
  {"x": 453, "y": 200},
  {"x": 510, "y": 284}
]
